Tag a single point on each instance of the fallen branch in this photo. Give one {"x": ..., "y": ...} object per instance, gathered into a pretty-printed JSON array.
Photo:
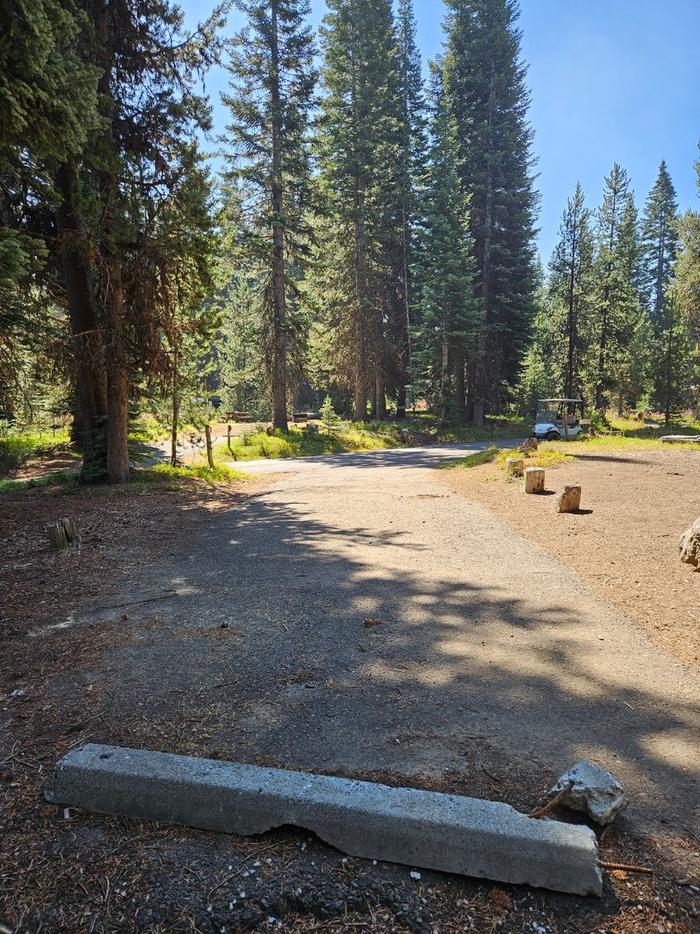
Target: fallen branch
[
  {"x": 628, "y": 867},
  {"x": 557, "y": 799}
]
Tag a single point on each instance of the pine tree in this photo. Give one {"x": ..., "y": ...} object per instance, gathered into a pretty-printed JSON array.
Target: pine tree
[
  {"x": 631, "y": 368},
  {"x": 616, "y": 280},
  {"x": 110, "y": 195},
  {"x": 273, "y": 84},
  {"x": 48, "y": 101},
  {"x": 360, "y": 159},
  {"x": 660, "y": 243},
  {"x": 570, "y": 290},
  {"x": 687, "y": 288},
  {"x": 485, "y": 85},
  {"x": 413, "y": 143},
  {"x": 448, "y": 309}
]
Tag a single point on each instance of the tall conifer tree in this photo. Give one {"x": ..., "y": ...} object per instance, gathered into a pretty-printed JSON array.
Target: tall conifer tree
[
  {"x": 413, "y": 143},
  {"x": 485, "y": 85},
  {"x": 360, "y": 160},
  {"x": 617, "y": 285},
  {"x": 660, "y": 243},
  {"x": 687, "y": 273},
  {"x": 273, "y": 83},
  {"x": 448, "y": 309},
  {"x": 571, "y": 289}
]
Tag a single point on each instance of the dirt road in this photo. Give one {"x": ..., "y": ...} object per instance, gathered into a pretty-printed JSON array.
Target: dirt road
[{"x": 359, "y": 616}]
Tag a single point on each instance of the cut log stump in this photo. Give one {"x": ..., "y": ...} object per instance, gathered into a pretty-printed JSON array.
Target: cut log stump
[
  {"x": 515, "y": 467},
  {"x": 63, "y": 533},
  {"x": 534, "y": 480},
  {"x": 569, "y": 500}
]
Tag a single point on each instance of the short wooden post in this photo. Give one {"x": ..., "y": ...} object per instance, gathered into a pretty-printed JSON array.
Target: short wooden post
[
  {"x": 514, "y": 467},
  {"x": 569, "y": 500},
  {"x": 534, "y": 480},
  {"x": 62, "y": 534}
]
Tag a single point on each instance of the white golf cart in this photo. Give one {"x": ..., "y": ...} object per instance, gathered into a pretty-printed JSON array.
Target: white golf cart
[{"x": 559, "y": 418}]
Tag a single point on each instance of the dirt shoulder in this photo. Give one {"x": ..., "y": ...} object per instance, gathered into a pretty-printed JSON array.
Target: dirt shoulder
[{"x": 626, "y": 547}]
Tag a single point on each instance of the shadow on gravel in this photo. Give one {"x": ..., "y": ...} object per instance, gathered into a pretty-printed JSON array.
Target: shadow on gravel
[
  {"x": 257, "y": 650},
  {"x": 265, "y": 656}
]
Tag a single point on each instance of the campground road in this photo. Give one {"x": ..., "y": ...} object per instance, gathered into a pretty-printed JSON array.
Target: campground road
[{"x": 357, "y": 616}]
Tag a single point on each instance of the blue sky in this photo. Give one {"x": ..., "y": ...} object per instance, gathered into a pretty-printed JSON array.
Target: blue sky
[{"x": 611, "y": 80}]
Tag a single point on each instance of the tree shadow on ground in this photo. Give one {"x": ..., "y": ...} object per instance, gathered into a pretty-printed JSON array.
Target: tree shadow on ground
[{"x": 264, "y": 655}]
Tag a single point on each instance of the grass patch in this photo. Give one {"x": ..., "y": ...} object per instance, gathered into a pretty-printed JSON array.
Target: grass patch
[
  {"x": 547, "y": 455},
  {"x": 12, "y": 485},
  {"x": 18, "y": 447},
  {"x": 474, "y": 460},
  {"x": 362, "y": 436},
  {"x": 165, "y": 473},
  {"x": 300, "y": 442}
]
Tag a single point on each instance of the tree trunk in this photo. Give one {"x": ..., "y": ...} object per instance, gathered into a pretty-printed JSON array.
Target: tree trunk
[
  {"x": 210, "y": 452},
  {"x": 380, "y": 396},
  {"x": 279, "y": 297},
  {"x": 116, "y": 354},
  {"x": 460, "y": 385},
  {"x": 401, "y": 401},
  {"x": 173, "y": 428},
  {"x": 117, "y": 380},
  {"x": 90, "y": 382}
]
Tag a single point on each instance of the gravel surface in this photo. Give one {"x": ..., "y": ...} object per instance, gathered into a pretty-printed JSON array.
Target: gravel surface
[
  {"x": 353, "y": 616},
  {"x": 376, "y": 620}
]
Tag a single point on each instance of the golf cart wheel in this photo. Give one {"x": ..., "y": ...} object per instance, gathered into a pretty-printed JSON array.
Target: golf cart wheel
[{"x": 552, "y": 436}]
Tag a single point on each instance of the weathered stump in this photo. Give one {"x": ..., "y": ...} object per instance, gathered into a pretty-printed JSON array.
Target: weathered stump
[
  {"x": 515, "y": 467},
  {"x": 689, "y": 545},
  {"x": 534, "y": 480},
  {"x": 569, "y": 500},
  {"x": 530, "y": 444},
  {"x": 62, "y": 534}
]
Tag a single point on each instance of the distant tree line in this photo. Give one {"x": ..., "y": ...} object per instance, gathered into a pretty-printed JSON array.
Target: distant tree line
[
  {"x": 371, "y": 236},
  {"x": 618, "y": 319}
]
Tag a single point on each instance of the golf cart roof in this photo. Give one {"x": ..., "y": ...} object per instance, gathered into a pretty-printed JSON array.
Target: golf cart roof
[{"x": 577, "y": 401}]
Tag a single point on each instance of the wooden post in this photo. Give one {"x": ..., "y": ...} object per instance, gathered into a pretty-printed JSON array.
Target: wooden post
[
  {"x": 569, "y": 500},
  {"x": 63, "y": 533},
  {"x": 207, "y": 436},
  {"x": 534, "y": 480},
  {"x": 515, "y": 467}
]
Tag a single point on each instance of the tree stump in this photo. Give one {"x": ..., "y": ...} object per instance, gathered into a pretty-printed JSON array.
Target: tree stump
[
  {"x": 569, "y": 500},
  {"x": 530, "y": 444},
  {"x": 514, "y": 467},
  {"x": 62, "y": 534},
  {"x": 689, "y": 545},
  {"x": 534, "y": 480}
]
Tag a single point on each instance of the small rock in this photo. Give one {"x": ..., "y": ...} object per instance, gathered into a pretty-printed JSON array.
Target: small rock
[
  {"x": 594, "y": 791},
  {"x": 689, "y": 545},
  {"x": 529, "y": 445},
  {"x": 415, "y": 875}
]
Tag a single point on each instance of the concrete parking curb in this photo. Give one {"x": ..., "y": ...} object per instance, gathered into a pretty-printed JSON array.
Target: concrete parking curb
[{"x": 454, "y": 834}]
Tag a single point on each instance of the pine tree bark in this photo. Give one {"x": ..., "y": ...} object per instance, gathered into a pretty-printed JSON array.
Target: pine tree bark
[
  {"x": 117, "y": 379},
  {"x": 116, "y": 354},
  {"x": 279, "y": 298},
  {"x": 460, "y": 384},
  {"x": 91, "y": 387},
  {"x": 175, "y": 414}
]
